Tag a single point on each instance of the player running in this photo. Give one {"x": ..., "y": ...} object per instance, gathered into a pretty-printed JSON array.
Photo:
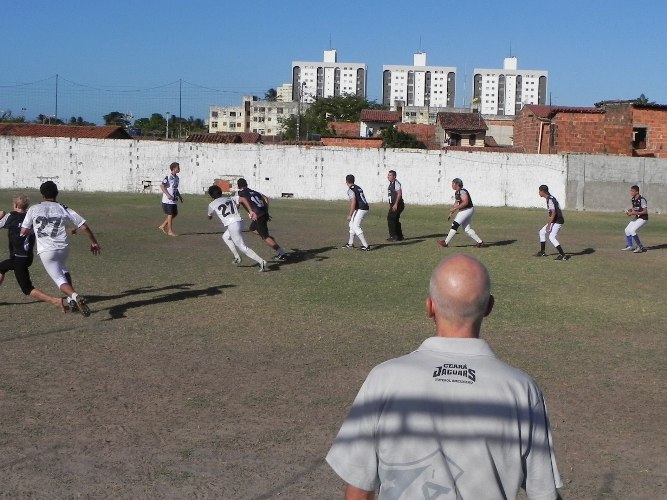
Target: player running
[
  {"x": 227, "y": 209},
  {"x": 48, "y": 221},
  {"x": 551, "y": 228}
]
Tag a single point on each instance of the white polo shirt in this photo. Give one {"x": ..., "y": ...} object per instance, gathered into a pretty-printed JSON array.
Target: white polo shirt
[{"x": 448, "y": 420}]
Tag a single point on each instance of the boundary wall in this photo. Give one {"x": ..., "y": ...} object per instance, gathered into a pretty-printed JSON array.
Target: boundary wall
[{"x": 580, "y": 182}]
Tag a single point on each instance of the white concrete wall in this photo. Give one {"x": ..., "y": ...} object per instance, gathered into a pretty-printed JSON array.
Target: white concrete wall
[{"x": 494, "y": 179}]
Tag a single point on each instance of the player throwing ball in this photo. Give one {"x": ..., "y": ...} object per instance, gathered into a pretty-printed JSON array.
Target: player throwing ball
[
  {"x": 227, "y": 209},
  {"x": 464, "y": 210}
]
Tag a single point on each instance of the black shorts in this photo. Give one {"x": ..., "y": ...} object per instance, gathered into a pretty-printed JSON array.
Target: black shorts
[
  {"x": 261, "y": 226},
  {"x": 20, "y": 266},
  {"x": 170, "y": 209}
]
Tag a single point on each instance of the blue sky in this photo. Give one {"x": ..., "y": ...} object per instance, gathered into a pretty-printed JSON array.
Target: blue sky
[{"x": 107, "y": 54}]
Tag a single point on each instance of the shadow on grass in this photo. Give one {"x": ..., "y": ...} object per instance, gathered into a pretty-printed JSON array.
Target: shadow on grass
[
  {"x": 585, "y": 251},
  {"x": 657, "y": 247},
  {"x": 183, "y": 293},
  {"x": 301, "y": 255}
]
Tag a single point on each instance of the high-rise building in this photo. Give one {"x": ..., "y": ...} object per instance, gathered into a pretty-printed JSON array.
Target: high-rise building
[
  {"x": 505, "y": 91},
  {"x": 312, "y": 80},
  {"x": 419, "y": 85},
  {"x": 284, "y": 92}
]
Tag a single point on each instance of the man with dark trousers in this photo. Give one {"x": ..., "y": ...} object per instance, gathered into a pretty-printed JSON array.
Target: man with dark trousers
[{"x": 396, "y": 207}]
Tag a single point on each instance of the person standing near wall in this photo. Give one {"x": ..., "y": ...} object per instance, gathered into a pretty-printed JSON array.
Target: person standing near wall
[
  {"x": 551, "y": 228},
  {"x": 357, "y": 212},
  {"x": 170, "y": 197},
  {"x": 639, "y": 213},
  {"x": 396, "y": 207}
]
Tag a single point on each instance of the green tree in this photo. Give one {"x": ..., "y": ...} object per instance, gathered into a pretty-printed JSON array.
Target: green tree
[
  {"x": 642, "y": 99},
  {"x": 315, "y": 120},
  {"x": 271, "y": 95},
  {"x": 78, "y": 121},
  {"x": 116, "y": 118},
  {"x": 396, "y": 139}
]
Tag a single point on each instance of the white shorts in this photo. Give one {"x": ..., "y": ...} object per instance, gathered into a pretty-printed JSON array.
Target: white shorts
[{"x": 55, "y": 264}]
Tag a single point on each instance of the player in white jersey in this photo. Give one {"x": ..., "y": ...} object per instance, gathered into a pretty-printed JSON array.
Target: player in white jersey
[
  {"x": 170, "y": 196},
  {"x": 227, "y": 209},
  {"x": 48, "y": 221}
]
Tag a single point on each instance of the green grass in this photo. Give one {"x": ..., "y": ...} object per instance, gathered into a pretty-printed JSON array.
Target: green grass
[{"x": 252, "y": 373}]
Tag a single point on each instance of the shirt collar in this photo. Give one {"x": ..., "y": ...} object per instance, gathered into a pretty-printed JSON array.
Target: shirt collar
[{"x": 470, "y": 347}]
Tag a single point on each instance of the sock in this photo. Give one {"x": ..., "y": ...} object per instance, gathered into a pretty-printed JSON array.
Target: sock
[
  {"x": 473, "y": 235},
  {"x": 281, "y": 251},
  {"x": 351, "y": 240},
  {"x": 636, "y": 237},
  {"x": 253, "y": 255},
  {"x": 450, "y": 235},
  {"x": 560, "y": 250},
  {"x": 543, "y": 246},
  {"x": 629, "y": 240}
]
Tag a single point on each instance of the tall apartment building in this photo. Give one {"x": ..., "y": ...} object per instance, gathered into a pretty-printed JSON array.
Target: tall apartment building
[
  {"x": 254, "y": 115},
  {"x": 505, "y": 91},
  {"x": 284, "y": 92},
  {"x": 312, "y": 80},
  {"x": 419, "y": 85}
]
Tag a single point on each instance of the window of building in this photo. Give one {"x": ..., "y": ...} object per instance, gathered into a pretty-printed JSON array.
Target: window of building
[
  {"x": 214, "y": 114},
  {"x": 279, "y": 111},
  {"x": 639, "y": 135},
  {"x": 232, "y": 113},
  {"x": 214, "y": 124},
  {"x": 232, "y": 125}
]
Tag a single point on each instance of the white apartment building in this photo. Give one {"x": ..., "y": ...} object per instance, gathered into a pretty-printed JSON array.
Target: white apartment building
[
  {"x": 311, "y": 80},
  {"x": 254, "y": 115},
  {"x": 419, "y": 85},
  {"x": 284, "y": 92},
  {"x": 505, "y": 91}
]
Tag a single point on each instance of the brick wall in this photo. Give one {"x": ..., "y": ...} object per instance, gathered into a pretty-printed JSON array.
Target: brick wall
[{"x": 655, "y": 120}]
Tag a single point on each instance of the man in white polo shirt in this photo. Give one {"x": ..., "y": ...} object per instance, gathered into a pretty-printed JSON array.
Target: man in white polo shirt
[{"x": 449, "y": 420}]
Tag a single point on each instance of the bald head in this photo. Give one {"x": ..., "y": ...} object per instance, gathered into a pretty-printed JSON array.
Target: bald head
[{"x": 459, "y": 296}]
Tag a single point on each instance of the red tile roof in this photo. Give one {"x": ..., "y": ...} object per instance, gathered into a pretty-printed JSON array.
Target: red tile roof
[
  {"x": 83, "y": 132},
  {"x": 380, "y": 115},
  {"x": 226, "y": 138},
  {"x": 461, "y": 121}
]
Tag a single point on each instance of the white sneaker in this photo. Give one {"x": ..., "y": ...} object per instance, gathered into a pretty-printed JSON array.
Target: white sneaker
[
  {"x": 639, "y": 249},
  {"x": 236, "y": 261},
  {"x": 262, "y": 267},
  {"x": 628, "y": 249}
]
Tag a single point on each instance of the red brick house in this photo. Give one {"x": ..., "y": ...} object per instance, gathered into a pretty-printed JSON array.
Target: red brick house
[
  {"x": 461, "y": 129},
  {"x": 623, "y": 128}
]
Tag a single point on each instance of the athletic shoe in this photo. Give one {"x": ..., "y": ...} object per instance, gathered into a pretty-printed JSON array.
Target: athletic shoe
[
  {"x": 236, "y": 261},
  {"x": 562, "y": 257},
  {"x": 280, "y": 257},
  {"x": 71, "y": 304},
  {"x": 480, "y": 245},
  {"x": 262, "y": 266},
  {"x": 628, "y": 248},
  {"x": 64, "y": 305},
  {"x": 347, "y": 245},
  {"x": 82, "y": 305},
  {"x": 540, "y": 254},
  {"x": 442, "y": 243},
  {"x": 639, "y": 249},
  {"x": 365, "y": 249}
]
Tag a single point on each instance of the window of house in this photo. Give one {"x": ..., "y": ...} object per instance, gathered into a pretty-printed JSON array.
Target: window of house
[
  {"x": 232, "y": 113},
  {"x": 214, "y": 114},
  {"x": 214, "y": 124},
  {"x": 471, "y": 139},
  {"x": 639, "y": 136}
]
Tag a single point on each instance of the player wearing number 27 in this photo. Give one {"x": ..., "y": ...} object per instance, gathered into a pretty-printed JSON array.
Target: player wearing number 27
[
  {"x": 49, "y": 220},
  {"x": 227, "y": 209}
]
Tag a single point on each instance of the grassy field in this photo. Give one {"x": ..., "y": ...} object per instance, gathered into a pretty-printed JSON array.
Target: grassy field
[{"x": 196, "y": 378}]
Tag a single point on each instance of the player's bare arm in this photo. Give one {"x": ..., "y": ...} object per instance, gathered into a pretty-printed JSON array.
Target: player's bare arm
[
  {"x": 353, "y": 207},
  {"x": 354, "y": 493},
  {"x": 95, "y": 247}
]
